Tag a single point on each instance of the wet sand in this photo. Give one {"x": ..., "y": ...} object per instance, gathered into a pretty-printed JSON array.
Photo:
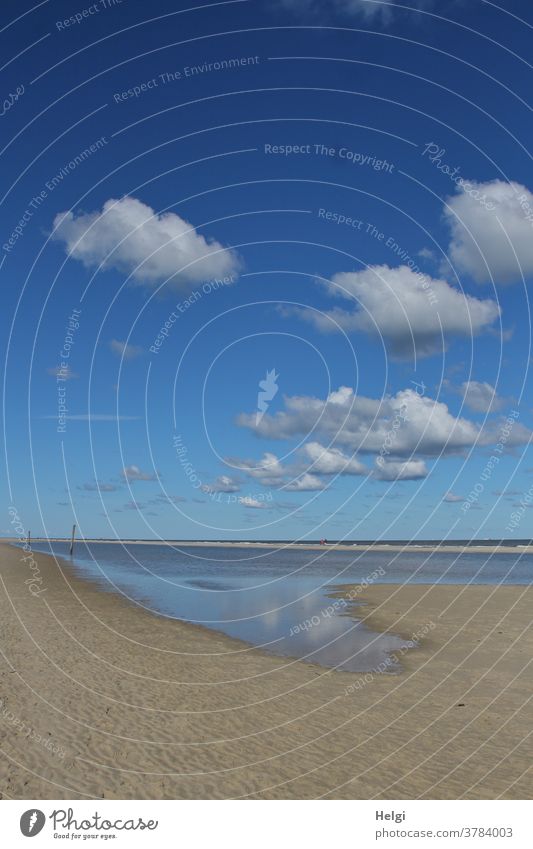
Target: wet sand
[{"x": 102, "y": 699}]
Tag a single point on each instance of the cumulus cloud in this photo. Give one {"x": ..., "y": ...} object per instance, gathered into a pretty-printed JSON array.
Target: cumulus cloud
[
  {"x": 303, "y": 474},
  {"x": 61, "y": 373},
  {"x": 253, "y": 503},
  {"x": 451, "y": 498},
  {"x": 507, "y": 432},
  {"x": 124, "y": 350},
  {"x": 305, "y": 483},
  {"x": 269, "y": 471},
  {"x": 413, "y": 313},
  {"x": 402, "y": 424},
  {"x": 222, "y": 484},
  {"x": 134, "y": 473},
  {"x": 332, "y": 461},
  {"x": 492, "y": 230},
  {"x": 481, "y": 397},
  {"x": 130, "y": 236},
  {"x": 392, "y": 470}
]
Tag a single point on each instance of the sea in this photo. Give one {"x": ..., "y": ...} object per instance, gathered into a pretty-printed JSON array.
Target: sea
[{"x": 283, "y": 599}]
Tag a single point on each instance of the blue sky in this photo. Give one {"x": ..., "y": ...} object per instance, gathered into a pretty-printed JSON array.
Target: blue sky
[{"x": 266, "y": 269}]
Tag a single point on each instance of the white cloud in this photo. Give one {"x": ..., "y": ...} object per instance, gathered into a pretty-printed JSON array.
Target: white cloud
[
  {"x": 450, "y": 498},
  {"x": 332, "y": 461},
  {"x": 481, "y": 397},
  {"x": 222, "y": 484},
  {"x": 392, "y": 470},
  {"x": 506, "y": 431},
  {"x": 305, "y": 483},
  {"x": 302, "y": 475},
  {"x": 65, "y": 373},
  {"x": 124, "y": 350},
  {"x": 368, "y": 9},
  {"x": 402, "y": 424},
  {"x": 133, "y": 473},
  {"x": 129, "y": 236},
  {"x": 414, "y": 313},
  {"x": 268, "y": 470},
  {"x": 495, "y": 216},
  {"x": 253, "y": 503}
]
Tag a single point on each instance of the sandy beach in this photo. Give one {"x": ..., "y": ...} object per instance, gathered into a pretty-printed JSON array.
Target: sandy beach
[{"x": 102, "y": 699}]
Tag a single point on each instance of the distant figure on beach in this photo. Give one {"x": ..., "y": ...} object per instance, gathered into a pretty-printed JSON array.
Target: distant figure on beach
[{"x": 323, "y": 542}]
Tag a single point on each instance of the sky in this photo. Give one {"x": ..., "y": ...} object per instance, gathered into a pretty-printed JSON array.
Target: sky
[{"x": 266, "y": 268}]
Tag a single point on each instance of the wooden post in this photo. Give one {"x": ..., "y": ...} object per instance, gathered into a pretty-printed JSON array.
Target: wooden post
[{"x": 72, "y": 540}]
